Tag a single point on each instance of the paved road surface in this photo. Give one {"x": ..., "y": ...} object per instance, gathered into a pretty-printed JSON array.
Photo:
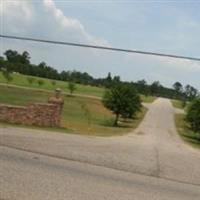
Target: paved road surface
[{"x": 150, "y": 163}]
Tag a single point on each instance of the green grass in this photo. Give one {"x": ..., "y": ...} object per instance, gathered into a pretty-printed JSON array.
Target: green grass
[
  {"x": 97, "y": 121},
  {"x": 177, "y": 104},
  {"x": 148, "y": 99},
  {"x": 185, "y": 132},
  {"x": 21, "y": 80}
]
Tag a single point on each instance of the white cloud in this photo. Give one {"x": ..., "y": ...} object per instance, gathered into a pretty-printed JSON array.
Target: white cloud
[
  {"x": 71, "y": 23},
  {"x": 19, "y": 9},
  {"x": 16, "y": 16}
]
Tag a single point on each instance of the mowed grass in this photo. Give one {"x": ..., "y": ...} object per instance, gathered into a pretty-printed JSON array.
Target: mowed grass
[
  {"x": 81, "y": 115},
  {"x": 177, "y": 104},
  {"x": 21, "y": 80},
  {"x": 185, "y": 132},
  {"x": 147, "y": 99}
]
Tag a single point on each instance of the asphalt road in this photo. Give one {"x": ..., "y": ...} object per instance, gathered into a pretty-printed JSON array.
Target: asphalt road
[{"x": 150, "y": 163}]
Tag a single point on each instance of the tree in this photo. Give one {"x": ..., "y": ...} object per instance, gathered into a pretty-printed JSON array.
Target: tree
[
  {"x": 193, "y": 115},
  {"x": 142, "y": 87},
  {"x": 15, "y": 57},
  {"x": 155, "y": 88},
  {"x": 40, "y": 82},
  {"x": 108, "y": 80},
  {"x": 71, "y": 86},
  {"x": 12, "y": 56},
  {"x": 178, "y": 89},
  {"x": 30, "y": 80},
  {"x": 122, "y": 99},
  {"x": 191, "y": 92},
  {"x": 25, "y": 58}
]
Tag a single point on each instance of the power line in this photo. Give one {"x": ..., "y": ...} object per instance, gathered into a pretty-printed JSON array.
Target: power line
[{"x": 100, "y": 47}]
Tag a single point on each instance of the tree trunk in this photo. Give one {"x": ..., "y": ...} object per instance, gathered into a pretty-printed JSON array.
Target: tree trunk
[{"x": 116, "y": 120}]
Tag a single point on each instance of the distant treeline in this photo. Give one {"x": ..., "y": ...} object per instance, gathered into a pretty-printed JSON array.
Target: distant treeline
[{"x": 16, "y": 62}]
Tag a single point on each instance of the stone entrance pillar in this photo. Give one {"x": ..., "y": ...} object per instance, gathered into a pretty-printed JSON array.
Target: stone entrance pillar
[{"x": 58, "y": 101}]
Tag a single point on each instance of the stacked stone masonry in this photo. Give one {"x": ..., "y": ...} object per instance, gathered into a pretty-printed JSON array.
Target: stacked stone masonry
[{"x": 40, "y": 114}]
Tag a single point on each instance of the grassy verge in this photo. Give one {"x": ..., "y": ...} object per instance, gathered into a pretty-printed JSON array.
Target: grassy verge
[
  {"x": 148, "y": 99},
  {"x": 20, "y": 80},
  {"x": 185, "y": 132},
  {"x": 177, "y": 104},
  {"x": 81, "y": 115}
]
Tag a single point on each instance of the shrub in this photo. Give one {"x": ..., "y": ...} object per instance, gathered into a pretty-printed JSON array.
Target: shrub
[
  {"x": 193, "y": 115},
  {"x": 71, "y": 86},
  {"x": 53, "y": 82},
  {"x": 40, "y": 82},
  {"x": 30, "y": 80}
]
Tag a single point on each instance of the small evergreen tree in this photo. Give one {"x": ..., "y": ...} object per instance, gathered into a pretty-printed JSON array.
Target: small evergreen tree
[{"x": 71, "y": 87}]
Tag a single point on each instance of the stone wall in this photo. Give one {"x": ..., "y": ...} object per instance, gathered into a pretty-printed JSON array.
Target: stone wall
[{"x": 41, "y": 114}]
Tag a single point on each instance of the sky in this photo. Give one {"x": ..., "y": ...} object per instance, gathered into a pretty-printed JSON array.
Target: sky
[{"x": 170, "y": 27}]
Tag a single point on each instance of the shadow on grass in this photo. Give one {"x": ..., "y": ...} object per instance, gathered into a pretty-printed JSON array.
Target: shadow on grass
[
  {"x": 70, "y": 95},
  {"x": 34, "y": 127},
  {"x": 193, "y": 138},
  {"x": 121, "y": 123}
]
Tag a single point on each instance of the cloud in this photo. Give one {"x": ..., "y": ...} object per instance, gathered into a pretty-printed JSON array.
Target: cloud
[
  {"x": 9, "y": 8},
  {"x": 71, "y": 23},
  {"x": 16, "y": 16}
]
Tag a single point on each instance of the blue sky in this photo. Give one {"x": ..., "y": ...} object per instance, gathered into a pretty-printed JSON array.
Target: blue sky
[{"x": 161, "y": 26}]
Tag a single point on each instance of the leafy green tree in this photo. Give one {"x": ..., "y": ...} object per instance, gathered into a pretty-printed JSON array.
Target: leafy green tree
[
  {"x": 108, "y": 80},
  {"x": 142, "y": 87},
  {"x": 30, "y": 80},
  {"x": 40, "y": 82},
  {"x": 191, "y": 92},
  {"x": 193, "y": 115},
  {"x": 122, "y": 100},
  {"x": 156, "y": 88},
  {"x": 178, "y": 87},
  {"x": 71, "y": 87},
  {"x": 15, "y": 57}
]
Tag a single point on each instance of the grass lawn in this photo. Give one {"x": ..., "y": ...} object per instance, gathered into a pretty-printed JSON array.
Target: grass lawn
[
  {"x": 80, "y": 115},
  {"x": 177, "y": 104},
  {"x": 183, "y": 129},
  {"x": 147, "y": 99},
  {"x": 21, "y": 80}
]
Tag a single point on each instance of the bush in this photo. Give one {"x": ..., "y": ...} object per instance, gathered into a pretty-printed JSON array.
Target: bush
[
  {"x": 40, "y": 82},
  {"x": 193, "y": 115},
  {"x": 71, "y": 86},
  {"x": 30, "y": 80}
]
